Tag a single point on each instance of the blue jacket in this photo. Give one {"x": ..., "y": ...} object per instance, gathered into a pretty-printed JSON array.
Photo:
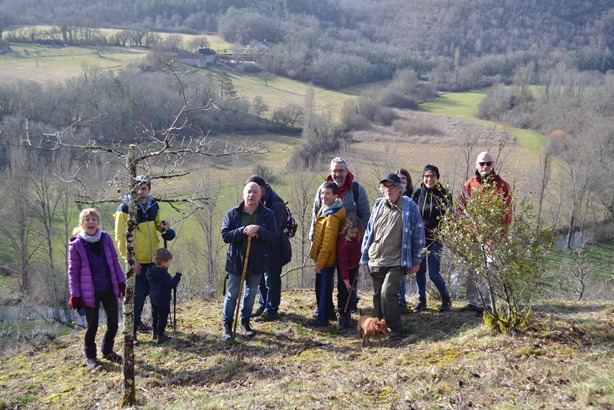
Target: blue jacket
[
  {"x": 160, "y": 285},
  {"x": 281, "y": 250},
  {"x": 412, "y": 251},
  {"x": 232, "y": 234}
]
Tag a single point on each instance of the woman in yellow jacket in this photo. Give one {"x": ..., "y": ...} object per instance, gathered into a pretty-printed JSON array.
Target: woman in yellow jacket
[{"x": 324, "y": 251}]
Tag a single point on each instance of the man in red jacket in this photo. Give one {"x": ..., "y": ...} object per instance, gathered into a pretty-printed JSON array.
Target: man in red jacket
[{"x": 484, "y": 174}]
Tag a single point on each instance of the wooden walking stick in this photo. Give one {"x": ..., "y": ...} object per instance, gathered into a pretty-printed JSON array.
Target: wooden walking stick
[
  {"x": 174, "y": 316},
  {"x": 347, "y": 302},
  {"x": 249, "y": 243}
]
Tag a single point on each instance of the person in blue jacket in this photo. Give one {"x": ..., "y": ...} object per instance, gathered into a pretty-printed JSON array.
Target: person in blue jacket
[
  {"x": 250, "y": 219},
  {"x": 270, "y": 284},
  {"x": 160, "y": 285},
  {"x": 148, "y": 224},
  {"x": 393, "y": 246}
]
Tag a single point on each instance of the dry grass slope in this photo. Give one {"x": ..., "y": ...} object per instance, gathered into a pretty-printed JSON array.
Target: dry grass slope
[{"x": 445, "y": 361}]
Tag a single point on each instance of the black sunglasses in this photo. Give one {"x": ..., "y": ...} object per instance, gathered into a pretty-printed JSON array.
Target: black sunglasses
[{"x": 487, "y": 163}]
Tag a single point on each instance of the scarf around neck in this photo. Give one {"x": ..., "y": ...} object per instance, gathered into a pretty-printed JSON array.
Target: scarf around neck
[{"x": 91, "y": 239}]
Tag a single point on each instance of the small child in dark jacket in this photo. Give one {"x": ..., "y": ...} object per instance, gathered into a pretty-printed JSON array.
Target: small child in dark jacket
[{"x": 160, "y": 285}]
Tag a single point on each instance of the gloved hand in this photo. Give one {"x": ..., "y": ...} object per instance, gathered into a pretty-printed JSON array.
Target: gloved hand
[
  {"x": 178, "y": 274},
  {"x": 75, "y": 302},
  {"x": 122, "y": 289}
]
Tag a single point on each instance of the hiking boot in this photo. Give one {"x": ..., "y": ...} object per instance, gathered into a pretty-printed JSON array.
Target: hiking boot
[
  {"x": 446, "y": 304},
  {"x": 247, "y": 330},
  {"x": 331, "y": 316},
  {"x": 267, "y": 317},
  {"x": 420, "y": 306},
  {"x": 258, "y": 312},
  {"x": 403, "y": 309},
  {"x": 163, "y": 339},
  {"x": 227, "y": 331},
  {"x": 317, "y": 323},
  {"x": 395, "y": 334},
  {"x": 154, "y": 338},
  {"x": 143, "y": 328},
  {"x": 92, "y": 363},
  {"x": 348, "y": 322},
  {"x": 114, "y": 358},
  {"x": 341, "y": 322}
]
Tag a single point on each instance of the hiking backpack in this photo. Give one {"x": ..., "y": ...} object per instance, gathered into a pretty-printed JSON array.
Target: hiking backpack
[{"x": 291, "y": 225}]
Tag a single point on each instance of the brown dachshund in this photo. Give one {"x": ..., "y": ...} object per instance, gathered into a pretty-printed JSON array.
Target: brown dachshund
[{"x": 369, "y": 326}]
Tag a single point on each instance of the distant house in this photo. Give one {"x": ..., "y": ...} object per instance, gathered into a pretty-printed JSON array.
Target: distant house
[
  {"x": 209, "y": 54},
  {"x": 193, "y": 59}
]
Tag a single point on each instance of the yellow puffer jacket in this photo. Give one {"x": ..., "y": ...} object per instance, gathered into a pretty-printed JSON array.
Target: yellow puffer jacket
[
  {"x": 326, "y": 231},
  {"x": 146, "y": 239}
]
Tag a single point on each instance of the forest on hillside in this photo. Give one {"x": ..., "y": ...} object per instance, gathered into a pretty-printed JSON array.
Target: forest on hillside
[{"x": 456, "y": 45}]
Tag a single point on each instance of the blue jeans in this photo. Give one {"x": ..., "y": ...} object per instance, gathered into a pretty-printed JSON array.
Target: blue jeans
[
  {"x": 325, "y": 282},
  {"x": 232, "y": 294},
  {"x": 270, "y": 290},
  {"x": 402, "y": 292},
  {"x": 433, "y": 263},
  {"x": 141, "y": 291}
]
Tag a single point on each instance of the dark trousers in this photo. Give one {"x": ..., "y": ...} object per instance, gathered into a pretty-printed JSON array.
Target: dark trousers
[
  {"x": 386, "y": 285},
  {"x": 141, "y": 291},
  {"x": 325, "y": 282},
  {"x": 342, "y": 292},
  {"x": 107, "y": 299},
  {"x": 159, "y": 314},
  {"x": 270, "y": 290}
]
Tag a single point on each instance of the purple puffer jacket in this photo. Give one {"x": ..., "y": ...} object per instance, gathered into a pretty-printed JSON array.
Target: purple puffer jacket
[{"x": 80, "y": 282}]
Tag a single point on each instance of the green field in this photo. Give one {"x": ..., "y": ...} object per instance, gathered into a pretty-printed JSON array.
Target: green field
[
  {"x": 466, "y": 105},
  {"x": 44, "y": 64}
]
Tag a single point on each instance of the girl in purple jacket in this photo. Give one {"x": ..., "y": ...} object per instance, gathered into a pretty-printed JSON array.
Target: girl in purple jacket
[{"x": 95, "y": 278}]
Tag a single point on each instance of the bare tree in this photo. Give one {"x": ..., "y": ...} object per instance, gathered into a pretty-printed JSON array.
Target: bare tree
[
  {"x": 302, "y": 190},
  {"x": 207, "y": 218},
  {"x": 17, "y": 226},
  {"x": 160, "y": 155}
]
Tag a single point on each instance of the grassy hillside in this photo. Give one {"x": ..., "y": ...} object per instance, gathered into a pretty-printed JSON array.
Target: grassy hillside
[
  {"x": 445, "y": 361},
  {"x": 465, "y": 105}
]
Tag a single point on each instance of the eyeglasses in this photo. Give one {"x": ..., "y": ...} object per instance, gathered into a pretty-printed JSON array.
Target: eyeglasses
[
  {"x": 389, "y": 186},
  {"x": 487, "y": 163}
]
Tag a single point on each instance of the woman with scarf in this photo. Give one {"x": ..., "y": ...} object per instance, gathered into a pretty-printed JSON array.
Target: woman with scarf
[
  {"x": 95, "y": 278},
  {"x": 433, "y": 200}
]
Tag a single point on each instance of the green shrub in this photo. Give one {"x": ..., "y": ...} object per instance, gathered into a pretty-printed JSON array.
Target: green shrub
[{"x": 509, "y": 259}]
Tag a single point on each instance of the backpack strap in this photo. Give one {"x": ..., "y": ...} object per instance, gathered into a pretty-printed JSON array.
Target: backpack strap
[{"x": 355, "y": 191}]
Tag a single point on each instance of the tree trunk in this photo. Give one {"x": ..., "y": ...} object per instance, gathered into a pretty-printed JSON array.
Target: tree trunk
[{"x": 129, "y": 395}]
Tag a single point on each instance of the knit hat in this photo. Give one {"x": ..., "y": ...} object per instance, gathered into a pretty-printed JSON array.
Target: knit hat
[{"x": 432, "y": 168}]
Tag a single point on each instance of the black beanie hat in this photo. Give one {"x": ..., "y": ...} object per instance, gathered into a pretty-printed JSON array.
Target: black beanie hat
[{"x": 432, "y": 168}]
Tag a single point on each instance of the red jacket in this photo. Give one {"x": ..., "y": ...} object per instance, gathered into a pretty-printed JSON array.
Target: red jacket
[
  {"x": 502, "y": 186},
  {"x": 348, "y": 255}
]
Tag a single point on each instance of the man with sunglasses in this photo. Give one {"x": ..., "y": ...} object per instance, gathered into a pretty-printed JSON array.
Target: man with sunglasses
[{"x": 484, "y": 174}]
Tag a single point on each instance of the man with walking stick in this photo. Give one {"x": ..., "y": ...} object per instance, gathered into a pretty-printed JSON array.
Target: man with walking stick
[{"x": 249, "y": 229}]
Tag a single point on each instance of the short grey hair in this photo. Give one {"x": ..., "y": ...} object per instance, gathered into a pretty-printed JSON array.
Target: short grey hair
[
  {"x": 338, "y": 160},
  {"x": 400, "y": 186}
]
